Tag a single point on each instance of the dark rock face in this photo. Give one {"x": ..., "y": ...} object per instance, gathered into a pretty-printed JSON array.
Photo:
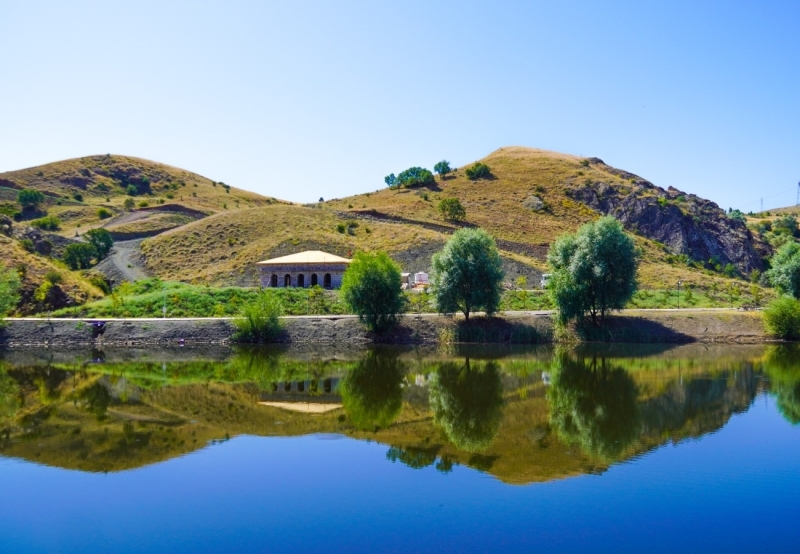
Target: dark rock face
[
  {"x": 684, "y": 223},
  {"x": 48, "y": 244}
]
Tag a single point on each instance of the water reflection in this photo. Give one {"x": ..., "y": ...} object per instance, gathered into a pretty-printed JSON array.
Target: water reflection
[
  {"x": 372, "y": 392},
  {"x": 522, "y": 415},
  {"x": 593, "y": 405},
  {"x": 466, "y": 399}
]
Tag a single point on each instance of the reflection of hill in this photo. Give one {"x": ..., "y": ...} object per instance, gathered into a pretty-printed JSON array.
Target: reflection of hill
[{"x": 111, "y": 417}]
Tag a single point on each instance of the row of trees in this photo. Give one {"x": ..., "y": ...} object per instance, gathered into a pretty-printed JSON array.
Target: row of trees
[
  {"x": 419, "y": 176},
  {"x": 594, "y": 272}
]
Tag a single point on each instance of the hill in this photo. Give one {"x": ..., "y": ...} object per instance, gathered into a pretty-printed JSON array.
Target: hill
[
  {"x": 530, "y": 198},
  {"x": 89, "y": 192}
]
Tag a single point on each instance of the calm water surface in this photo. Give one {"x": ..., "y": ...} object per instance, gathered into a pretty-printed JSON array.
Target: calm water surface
[{"x": 468, "y": 449}]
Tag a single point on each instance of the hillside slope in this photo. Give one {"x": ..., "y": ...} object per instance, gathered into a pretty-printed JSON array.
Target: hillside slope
[
  {"x": 75, "y": 190},
  {"x": 531, "y": 198}
]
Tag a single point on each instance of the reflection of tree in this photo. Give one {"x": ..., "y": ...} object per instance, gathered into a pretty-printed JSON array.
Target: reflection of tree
[
  {"x": 372, "y": 393},
  {"x": 9, "y": 395},
  {"x": 467, "y": 403},
  {"x": 415, "y": 458},
  {"x": 594, "y": 406},
  {"x": 783, "y": 366},
  {"x": 96, "y": 400}
]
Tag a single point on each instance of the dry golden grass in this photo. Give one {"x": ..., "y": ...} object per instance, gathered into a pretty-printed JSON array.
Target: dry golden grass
[
  {"x": 93, "y": 178},
  {"x": 201, "y": 251}
]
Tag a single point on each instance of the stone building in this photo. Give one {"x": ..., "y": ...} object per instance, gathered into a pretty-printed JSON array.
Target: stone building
[{"x": 304, "y": 269}]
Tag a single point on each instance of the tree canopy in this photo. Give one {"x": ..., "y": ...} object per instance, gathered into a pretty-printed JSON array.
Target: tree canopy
[
  {"x": 80, "y": 255},
  {"x": 451, "y": 209},
  {"x": 371, "y": 287},
  {"x": 593, "y": 270},
  {"x": 785, "y": 272},
  {"x": 101, "y": 240},
  {"x": 443, "y": 168},
  {"x": 415, "y": 176},
  {"x": 467, "y": 274},
  {"x": 30, "y": 198}
]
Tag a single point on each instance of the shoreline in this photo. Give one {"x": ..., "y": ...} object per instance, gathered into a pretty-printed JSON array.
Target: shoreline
[{"x": 707, "y": 325}]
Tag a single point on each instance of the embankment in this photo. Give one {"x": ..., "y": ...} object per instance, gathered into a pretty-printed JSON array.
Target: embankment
[{"x": 635, "y": 326}]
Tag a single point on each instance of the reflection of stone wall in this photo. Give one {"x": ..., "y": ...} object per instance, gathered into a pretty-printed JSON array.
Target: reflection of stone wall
[{"x": 336, "y": 272}]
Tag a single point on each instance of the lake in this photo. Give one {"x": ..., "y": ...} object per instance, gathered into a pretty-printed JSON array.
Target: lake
[{"x": 471, "y": 449}]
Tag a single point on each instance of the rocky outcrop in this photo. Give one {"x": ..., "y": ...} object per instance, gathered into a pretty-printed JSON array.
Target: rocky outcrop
[{"x": 684, "y": 223}]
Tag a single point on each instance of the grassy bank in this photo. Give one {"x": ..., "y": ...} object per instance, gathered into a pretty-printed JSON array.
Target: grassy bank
[{"x": 147, "y": 298}]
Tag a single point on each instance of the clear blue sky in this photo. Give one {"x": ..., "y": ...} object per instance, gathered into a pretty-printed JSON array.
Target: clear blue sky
[{"x": 306, "y": 99}]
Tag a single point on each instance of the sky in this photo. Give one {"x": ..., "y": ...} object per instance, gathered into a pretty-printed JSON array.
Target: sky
[{"x": 302, "y": 99}]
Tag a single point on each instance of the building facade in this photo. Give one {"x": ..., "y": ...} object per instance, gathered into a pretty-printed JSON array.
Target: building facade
[{"x": 303, "y": 270}]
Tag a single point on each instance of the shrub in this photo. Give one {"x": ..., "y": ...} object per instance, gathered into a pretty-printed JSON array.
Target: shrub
[
  {"x": 47, "y": 223},
  {"x": 129, "y": 203},
  {"x": 170, "y": 195},
  {"x": 371, "y": 287},
  {"x": 340, "y": 227},
  {"x": 78, "y": 196},
  {"x": 80, "y": 255},
  {"x": 9, "y": 290},
  {"x": 27, "y": 245},
  {"x": 54, "y": 277},
  {"x": 782, "y": 317},
  {"x": 144, "y": 204},
  {"x": 104, "y": 213},
  {"x": 451, "y": 209},
  {"x": 131, "y": 190},
  {"x": 259, "y": 321},
  {"x": 467, "y": 274},
  {"x": 29, "y": 198},
  {"x": 478, "y": 171}
]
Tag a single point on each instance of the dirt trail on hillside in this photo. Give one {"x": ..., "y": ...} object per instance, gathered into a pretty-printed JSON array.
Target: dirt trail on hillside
[{"x": 124, "y": 263}]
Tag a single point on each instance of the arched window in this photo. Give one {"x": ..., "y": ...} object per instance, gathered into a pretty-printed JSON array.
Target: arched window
[
  {"x": 287, "y": 281},
  {"x": 314, "y": 280},
  {"x": 273, "y": 282},
  {"x": 301, "y": 280},
  {"x": 326, "y": 282}
]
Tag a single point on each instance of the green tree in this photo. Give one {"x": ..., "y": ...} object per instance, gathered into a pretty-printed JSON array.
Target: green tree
[
  {"x": 467, "y": 274},
  {"x": 478, "y": 171},
  {"x": 593, "y": 270},
  {"x": 466, "y": 400},
  {"x": 29, "y": 198},
  {"x": 102, "y": 241},
  {"x": 9, "y": 291},
  {"x": 390, "y": 180},
  {"x": 415, "y": 176},
  {"x": 782, "y": 317},
  {"x": 593, "y": 405},
  {"x": 371, "y": 288},
  {"x": 80, "y": 255},
  {"x": 785, "y": 272},
  {"x": 785, "y": 225},
  {"x": 372, "y": 391},
  {"x": 129, "y": 203},
  {"x": 451, "y": 209},
  {"x": 443, "y": 168}
]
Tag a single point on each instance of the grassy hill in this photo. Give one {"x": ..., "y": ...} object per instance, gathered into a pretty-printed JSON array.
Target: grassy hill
[
  {"x": 200, "y": 231},
  {"x": 75, "y": 190},
  {"x": 526, "y": 204}
]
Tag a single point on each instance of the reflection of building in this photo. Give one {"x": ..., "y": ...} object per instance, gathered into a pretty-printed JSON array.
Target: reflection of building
[
  {"x": 309, "y": 396},
  {"x": 304, "y": 269}
]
